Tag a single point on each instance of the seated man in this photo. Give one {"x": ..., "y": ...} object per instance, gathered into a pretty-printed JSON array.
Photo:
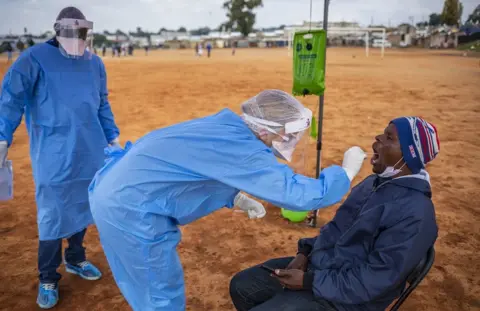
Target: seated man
[{"x": 361, "y": 259}]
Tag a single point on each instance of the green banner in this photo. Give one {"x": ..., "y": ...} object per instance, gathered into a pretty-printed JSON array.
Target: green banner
[{"x": 308, "y": 62}]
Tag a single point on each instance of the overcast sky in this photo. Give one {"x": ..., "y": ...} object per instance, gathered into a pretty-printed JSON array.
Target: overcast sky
[{"x": 151, "y": 15}]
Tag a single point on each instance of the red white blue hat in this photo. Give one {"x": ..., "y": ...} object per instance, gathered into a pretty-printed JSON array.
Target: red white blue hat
[{"x": 418, "y": 140}]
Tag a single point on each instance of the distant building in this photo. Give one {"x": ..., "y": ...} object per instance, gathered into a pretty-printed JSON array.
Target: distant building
[
  {"x": 403, "y": 36},
  {"x": 173, "y": 35},
  {"x": 276, "y": 38},
  {"x": 157, "y": 40},
  {"x": 307, "y": 24},
  {"x": 118, "y": 39},
  {"x": 139, "y": 41},
  {"x": 443, "y": 38}
]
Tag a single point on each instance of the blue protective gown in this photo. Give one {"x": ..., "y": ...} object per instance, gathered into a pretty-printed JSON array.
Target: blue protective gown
[
  {"x": 175, "y": 175},
  {"x": 69, "y": 123}
]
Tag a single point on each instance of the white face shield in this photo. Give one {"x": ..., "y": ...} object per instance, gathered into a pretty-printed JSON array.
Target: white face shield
[
  {"x": 284, "y": 149},
  {"x": 75, "y": 37},
  {"x": 293, "y": 132}
]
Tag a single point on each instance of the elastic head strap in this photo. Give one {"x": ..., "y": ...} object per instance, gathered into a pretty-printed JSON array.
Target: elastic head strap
[
  {"x": 264, "y": 124},
  {"x": 74, "y": 23},
  {"x": 301, "y": 124}
]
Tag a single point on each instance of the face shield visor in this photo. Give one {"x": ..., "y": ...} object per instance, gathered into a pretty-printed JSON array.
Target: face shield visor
[
  {"x": 289, "y": 137},
  {"x": 75, "y": 37}
]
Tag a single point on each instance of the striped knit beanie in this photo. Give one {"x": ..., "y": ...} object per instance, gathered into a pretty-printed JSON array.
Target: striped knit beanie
[{"x": 418, "y": 141}]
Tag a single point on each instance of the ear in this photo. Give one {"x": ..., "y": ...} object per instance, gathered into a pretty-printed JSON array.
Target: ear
[{"x": 265, "y": 137}]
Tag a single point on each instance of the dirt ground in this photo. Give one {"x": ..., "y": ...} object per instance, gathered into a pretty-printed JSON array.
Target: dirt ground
[{"x": 363, "y": 95}]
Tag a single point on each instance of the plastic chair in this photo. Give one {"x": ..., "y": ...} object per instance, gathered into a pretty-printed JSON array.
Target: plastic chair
[{"x": 416, "y": 277}]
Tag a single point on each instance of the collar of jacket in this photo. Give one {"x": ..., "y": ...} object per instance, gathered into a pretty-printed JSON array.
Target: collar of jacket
[
  {"x": 419, "y": 182},
  {"x": 53, "y": 42}
]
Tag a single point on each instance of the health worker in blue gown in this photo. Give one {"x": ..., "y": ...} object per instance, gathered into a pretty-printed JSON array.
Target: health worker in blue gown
[
  {"x": 178, "y": 174},
  {"x": 62, "y": 90}
]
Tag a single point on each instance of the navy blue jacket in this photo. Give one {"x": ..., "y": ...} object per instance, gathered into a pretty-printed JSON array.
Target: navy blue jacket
[{"x": 361, "y": 258}]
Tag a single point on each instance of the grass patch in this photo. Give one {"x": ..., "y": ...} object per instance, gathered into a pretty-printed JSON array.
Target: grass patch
[{"x": 471, "y": 46}]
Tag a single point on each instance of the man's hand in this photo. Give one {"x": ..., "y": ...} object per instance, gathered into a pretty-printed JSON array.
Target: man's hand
[
  {"x": 299, "y": 263},
  {"x": 291, "y": 279}
]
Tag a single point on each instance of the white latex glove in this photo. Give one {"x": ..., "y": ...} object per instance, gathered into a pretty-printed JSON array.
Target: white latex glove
[
  {"x": 3, "y": 153},
  {"x": 115, "y": 143},
  {"x": 253, "y": 208},
  {"x": 353, "y": 161}
]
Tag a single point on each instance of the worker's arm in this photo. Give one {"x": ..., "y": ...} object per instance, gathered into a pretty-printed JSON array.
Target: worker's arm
[
  {"x": 262, "y": 176},
  {"x": 17, "y": 89},
  {"x": 105, "y": 112}
]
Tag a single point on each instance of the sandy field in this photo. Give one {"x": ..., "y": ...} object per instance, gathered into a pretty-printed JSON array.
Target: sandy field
[{"x": 363, "y": 95}]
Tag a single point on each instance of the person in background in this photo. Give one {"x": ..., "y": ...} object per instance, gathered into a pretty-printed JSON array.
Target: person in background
[
  {"x": 361, "y": 259},
  {"x": 209, "y": 49},
  {"x": 9, "y": 53},
  {"x": 62, "y": 90},
  {"x": 145, "y": 192},
  {"x": 20, "y": 46}
]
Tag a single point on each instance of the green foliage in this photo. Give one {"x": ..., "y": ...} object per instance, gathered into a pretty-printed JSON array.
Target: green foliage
[
  {"x": 240, "y": 15},
  {"x": 460, "y": 12},
  {"x": 200, "y": 32},
  {"x": 30, "y": 42},
  {"x": 471, "y": 46},
  {"x": 140, "y": 33},
  {"x": 20, "y": 45},
  {"x": 475, "y": 16},
  {"x": 435, "y": 19},
  {"x": 451, "y": 12},
  {"x": 99, "y": 40}
]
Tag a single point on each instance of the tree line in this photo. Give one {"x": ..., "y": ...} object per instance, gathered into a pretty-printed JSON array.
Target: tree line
[
  {"x": 241, "y": 17},
  {"x": 451, "y": 15}
]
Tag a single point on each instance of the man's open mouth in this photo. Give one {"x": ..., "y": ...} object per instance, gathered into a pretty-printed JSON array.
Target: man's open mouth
[{"x": 375, "y": 157}]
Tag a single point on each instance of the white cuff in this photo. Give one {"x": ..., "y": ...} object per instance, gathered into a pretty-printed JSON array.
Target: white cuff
[
  {"x": 239, "y": 197},
  {"x": 349, "y": 174}
]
